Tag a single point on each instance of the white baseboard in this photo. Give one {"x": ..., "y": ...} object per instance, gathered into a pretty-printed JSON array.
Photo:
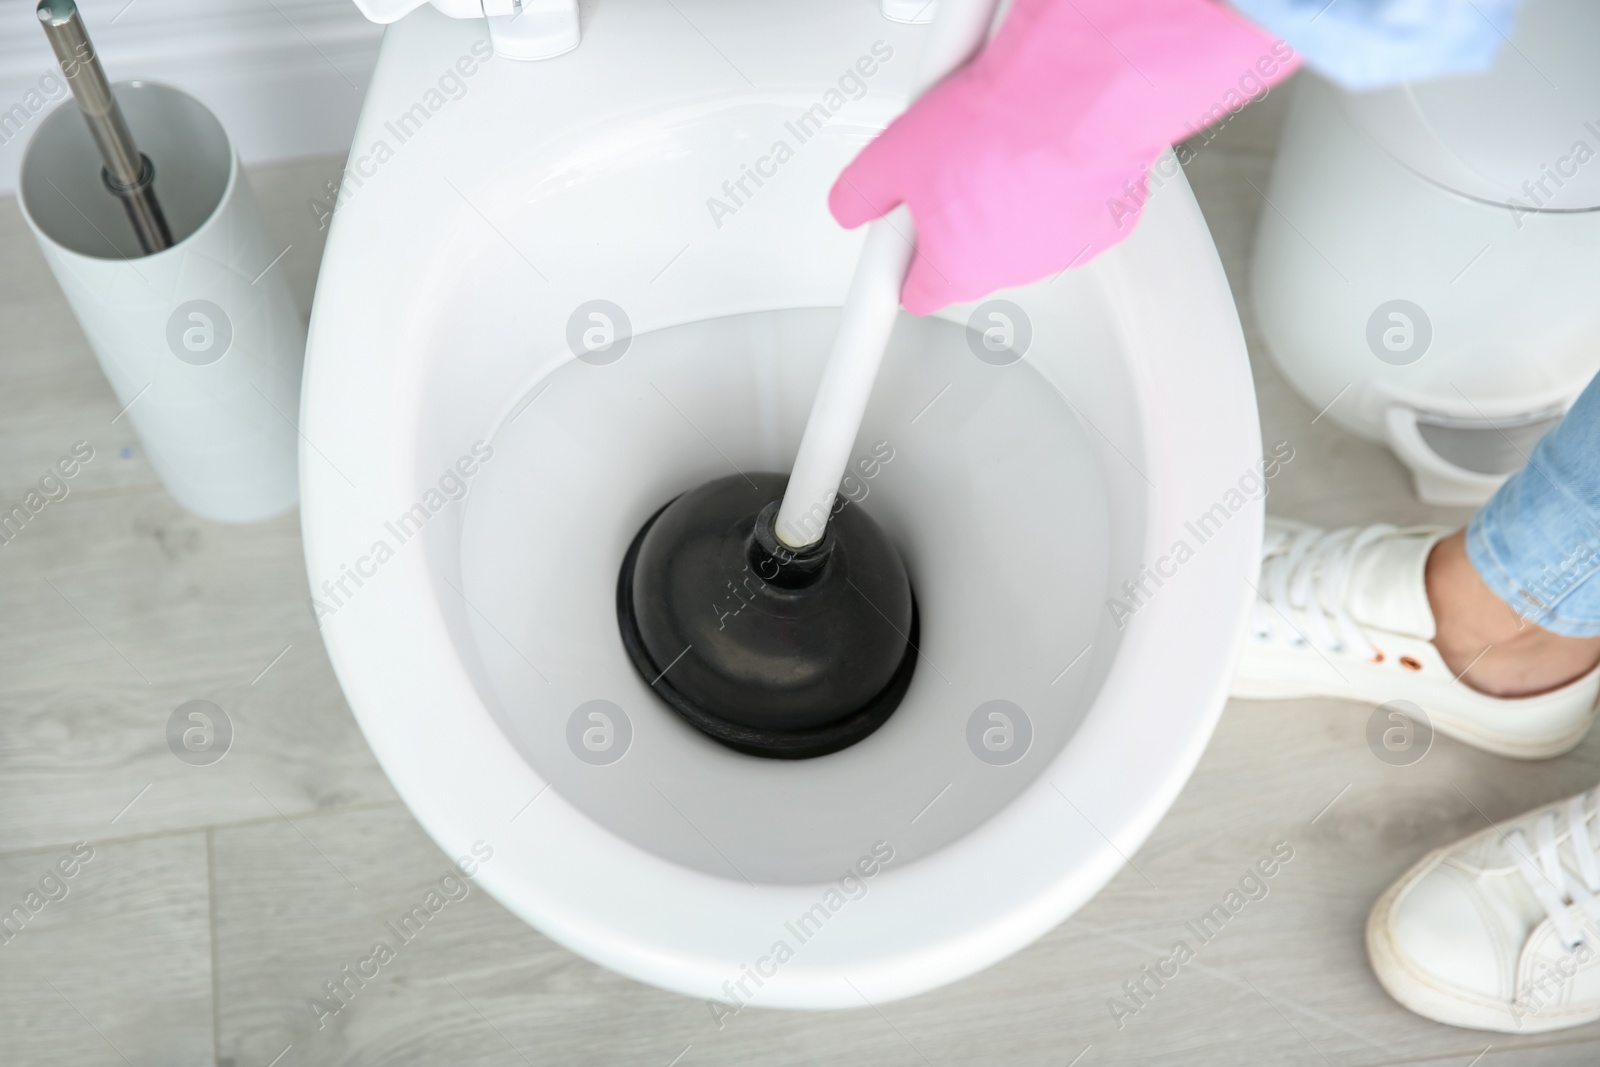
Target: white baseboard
[{"x": 285, "y": 77}]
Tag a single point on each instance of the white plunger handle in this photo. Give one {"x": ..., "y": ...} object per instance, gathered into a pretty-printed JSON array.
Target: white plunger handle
[{"x": 870, "y": 310}]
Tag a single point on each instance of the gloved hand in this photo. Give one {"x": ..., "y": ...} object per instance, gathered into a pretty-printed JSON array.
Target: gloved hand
[{"x": 1033, "y": 157}]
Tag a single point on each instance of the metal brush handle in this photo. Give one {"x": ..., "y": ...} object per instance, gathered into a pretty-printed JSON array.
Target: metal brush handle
[{"x": 127, "y": 172}]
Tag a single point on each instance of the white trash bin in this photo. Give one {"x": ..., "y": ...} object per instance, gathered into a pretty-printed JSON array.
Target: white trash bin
[{"x": 201, "y": 342}]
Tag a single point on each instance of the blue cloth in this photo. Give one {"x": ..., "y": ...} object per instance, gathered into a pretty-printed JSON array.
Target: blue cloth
[
  {"x": 1369, "y": 44},
  {"x": 1536, "y": 543}
]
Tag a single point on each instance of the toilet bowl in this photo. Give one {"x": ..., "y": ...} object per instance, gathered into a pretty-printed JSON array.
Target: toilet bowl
[{"x": 552, "y": 299}]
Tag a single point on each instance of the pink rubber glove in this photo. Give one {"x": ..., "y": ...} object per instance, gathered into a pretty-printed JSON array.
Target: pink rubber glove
[{"x": 1034, "y": 156}]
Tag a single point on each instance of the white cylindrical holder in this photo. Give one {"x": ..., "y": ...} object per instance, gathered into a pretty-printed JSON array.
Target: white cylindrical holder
[{"x": 201, "y": 342}]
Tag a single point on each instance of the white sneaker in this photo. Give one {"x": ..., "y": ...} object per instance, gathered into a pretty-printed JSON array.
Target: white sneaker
[
  {"x": 1501, "y": 930},
  {"x": 1345, "y": 613}
]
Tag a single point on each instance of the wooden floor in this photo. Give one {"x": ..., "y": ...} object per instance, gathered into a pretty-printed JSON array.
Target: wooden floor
[{"x": 219, "y": 899}]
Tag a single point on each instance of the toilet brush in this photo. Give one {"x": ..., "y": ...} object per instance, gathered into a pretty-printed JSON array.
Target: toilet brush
[
  {"x": 127, "y": 172},
  {"x": 168, "y": 267},
  {"x": 824, "y": 645}
]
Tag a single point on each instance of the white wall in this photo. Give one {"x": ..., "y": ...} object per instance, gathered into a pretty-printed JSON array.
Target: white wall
[{"x": 286, "y": 77}]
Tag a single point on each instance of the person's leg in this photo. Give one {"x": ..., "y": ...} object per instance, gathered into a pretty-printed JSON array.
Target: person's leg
[
  {"x": 1492, "y": 631},
  {"x": 1498, "y": 931},
  {"x": 1485, "y": 642},
  {"x": 1513, "y": 597}
]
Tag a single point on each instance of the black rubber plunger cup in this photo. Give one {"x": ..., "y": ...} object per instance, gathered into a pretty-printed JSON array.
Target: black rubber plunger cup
[{"x": 774, "y": 652}]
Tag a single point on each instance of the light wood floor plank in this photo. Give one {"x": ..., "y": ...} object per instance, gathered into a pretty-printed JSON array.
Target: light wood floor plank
[{"x": 118, "y": 966}]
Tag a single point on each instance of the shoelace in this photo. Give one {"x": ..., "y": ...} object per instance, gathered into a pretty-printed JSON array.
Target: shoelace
[
  {"x": 1305, "y": 575},
  {"x": 1552, "y": 883}
]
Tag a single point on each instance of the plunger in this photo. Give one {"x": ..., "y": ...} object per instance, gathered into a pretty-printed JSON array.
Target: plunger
[{"x": 764, "y": 616}]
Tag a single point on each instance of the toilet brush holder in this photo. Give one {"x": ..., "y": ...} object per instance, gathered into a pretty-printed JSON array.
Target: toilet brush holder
[{"x": 201, "y": 341}]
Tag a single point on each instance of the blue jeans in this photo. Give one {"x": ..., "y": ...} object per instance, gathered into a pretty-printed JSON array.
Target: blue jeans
[{"x": 1536, "y": 543}]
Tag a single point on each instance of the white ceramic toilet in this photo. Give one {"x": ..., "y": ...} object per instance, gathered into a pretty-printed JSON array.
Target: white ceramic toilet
[{"x": 554, "y": 297}]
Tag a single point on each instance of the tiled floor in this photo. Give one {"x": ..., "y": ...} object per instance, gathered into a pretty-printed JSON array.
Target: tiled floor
[{"x": 219, "y": 900}]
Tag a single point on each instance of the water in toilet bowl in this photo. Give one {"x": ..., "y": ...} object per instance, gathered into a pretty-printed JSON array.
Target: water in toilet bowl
[{"x": 989, "y": 487}]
